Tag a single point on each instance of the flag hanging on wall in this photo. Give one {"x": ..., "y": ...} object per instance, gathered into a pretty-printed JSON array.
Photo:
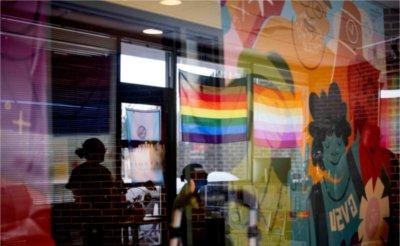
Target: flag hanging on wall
[
  {"x": 210, "y": 111},
  {"x": 143, "y": 125},
  {"x": 278, "y": 117}
]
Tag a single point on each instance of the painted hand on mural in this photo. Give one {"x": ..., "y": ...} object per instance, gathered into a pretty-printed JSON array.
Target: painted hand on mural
[
  {"x": 247, "y": 17},
  {"x": 374, "y": 159}
]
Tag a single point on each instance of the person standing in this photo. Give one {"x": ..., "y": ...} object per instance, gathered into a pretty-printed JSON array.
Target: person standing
[
  {"x": 188, "y": 222},
  {"x": 91, "y": 184}
]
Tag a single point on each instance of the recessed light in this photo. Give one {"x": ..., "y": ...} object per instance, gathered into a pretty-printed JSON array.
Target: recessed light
[
  {"x": 171, "y": 2},
  {"x": 152, "y": 31}
]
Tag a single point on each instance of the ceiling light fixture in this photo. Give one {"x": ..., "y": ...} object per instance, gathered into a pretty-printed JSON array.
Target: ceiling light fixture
[
  {"x": 171, "y": 2},
  {"x": 152, "y": 31}
]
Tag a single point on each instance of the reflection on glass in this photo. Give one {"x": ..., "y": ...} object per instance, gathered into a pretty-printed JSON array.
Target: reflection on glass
[
  {"x": 143, "y": 163},
  {"x": 143, "y": 159},
  {"x": 143, "y": 66},
  {"x": 140, "y": 122}
]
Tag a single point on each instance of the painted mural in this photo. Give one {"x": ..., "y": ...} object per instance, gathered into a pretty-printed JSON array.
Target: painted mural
[{"x": 326, "y": 53}]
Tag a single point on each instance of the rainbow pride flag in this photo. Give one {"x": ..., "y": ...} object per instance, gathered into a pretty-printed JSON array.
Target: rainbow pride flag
[
  {"x": 278, "y": 118},
  {"x": 210, "y": 111}
]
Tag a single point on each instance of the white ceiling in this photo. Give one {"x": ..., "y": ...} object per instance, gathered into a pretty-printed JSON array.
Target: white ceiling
[{"x": 204, "y": 12}]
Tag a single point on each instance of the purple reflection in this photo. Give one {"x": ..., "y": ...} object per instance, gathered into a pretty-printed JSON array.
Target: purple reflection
[{"x": 24, "y": 126}]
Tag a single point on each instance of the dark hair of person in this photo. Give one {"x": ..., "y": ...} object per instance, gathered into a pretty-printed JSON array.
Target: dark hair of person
[
  {"x": 189, "y": 169},
  {"x": 329, "y": 117},
  {"x": 90, "y": 146}
]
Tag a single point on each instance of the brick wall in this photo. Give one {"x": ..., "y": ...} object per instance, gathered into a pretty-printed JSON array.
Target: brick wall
[
  {"x": 214, "y": 157},
  {"x": 392, "y": 34},
  {"x": 392, "y": 63}
]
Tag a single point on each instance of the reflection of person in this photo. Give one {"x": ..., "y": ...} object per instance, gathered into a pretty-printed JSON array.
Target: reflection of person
[
  {"x": 189, "y": 202},
  {"x": 337, "y": 190},
  {"x": 91, "y": 184}
]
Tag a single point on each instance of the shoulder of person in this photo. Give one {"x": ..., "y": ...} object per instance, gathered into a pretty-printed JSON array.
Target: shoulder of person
[
  {"x": 78, "y": 168},
  {"x": 105, "y": 169}
]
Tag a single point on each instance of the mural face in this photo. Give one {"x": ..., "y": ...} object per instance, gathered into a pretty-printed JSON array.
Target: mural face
[
  {"x": 310, "y": 26},
  {"x": 333, "y": 150},
  {"x": 330, "y": 131},
  {"x": 339, "y": 172}
]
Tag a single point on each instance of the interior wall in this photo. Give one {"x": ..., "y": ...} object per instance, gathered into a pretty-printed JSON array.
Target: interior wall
[{"x": 201, "y": 12}]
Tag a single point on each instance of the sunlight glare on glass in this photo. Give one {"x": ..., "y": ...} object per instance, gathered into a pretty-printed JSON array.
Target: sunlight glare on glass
[
  {"x": 144, "y": 71},
  {"x": 197, "y": 69}
]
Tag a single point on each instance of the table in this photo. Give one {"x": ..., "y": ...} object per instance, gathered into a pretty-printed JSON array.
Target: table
[{"x": 131, "y": 227}]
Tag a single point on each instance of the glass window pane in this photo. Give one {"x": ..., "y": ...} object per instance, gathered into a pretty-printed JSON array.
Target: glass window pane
[
  {"x": 142, "y": 159},
  {"x": 143, "y": 66},
  {"x": 212, "y": 149}
]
